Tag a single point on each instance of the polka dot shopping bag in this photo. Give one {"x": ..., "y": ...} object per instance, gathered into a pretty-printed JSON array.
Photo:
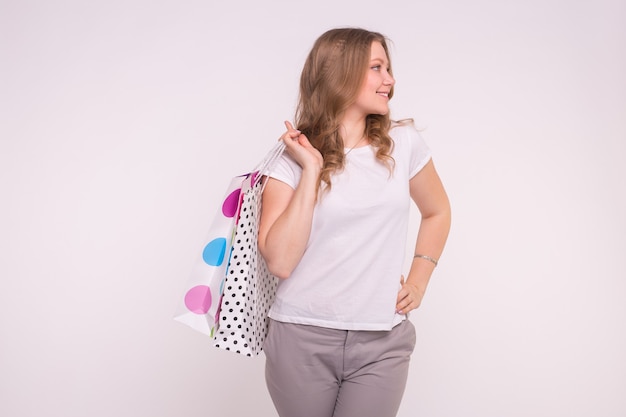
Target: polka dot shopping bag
[
  {"x": 249, "y": 288},
  {"x": 230, "y": 289}
]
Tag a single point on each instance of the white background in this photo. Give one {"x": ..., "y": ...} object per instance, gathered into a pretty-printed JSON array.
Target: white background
[{"x": 121, "y": 122}]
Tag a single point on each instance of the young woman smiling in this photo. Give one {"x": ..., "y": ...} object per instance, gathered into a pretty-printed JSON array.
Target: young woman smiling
[{"x": 334, "y": 227}]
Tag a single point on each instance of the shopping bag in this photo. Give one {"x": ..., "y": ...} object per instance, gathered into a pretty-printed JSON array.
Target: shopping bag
[
  {"x": 249, "y": 288},
  {"x": 198, "y": 306}
]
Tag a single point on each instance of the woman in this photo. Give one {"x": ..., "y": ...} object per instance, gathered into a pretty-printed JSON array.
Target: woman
[{"x": 333, "y": 228}]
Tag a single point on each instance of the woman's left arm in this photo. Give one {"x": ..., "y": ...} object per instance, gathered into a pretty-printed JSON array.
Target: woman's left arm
[{"x": 432, "y": 201}]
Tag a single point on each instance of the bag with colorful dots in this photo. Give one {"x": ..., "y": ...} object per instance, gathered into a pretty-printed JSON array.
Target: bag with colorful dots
[
  {"x": 232, "y": 307},
  {"x": 199, "y": 307},
  {"x": 249, "y": 289}
]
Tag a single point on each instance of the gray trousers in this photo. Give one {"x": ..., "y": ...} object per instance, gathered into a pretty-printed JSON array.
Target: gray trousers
[{"x": 318, "y": 372}]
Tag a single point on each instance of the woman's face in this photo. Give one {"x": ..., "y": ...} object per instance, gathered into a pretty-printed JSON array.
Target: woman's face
[{"x": 373, "y": 97}]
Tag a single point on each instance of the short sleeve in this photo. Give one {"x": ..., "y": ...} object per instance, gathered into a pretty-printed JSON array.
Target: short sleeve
[
  {"x": 409, "y": 142},
  {"x": 286, "y": 170}
]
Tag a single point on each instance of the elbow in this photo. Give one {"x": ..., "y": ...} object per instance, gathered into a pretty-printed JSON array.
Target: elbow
[
  {"x": 276, "y": 267},
  {"x": 279, "y": 271},
  {"x": 277, "y": 262}
]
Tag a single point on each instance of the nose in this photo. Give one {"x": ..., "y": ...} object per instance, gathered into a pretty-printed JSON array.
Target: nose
[{"x": 389, "y": 80}]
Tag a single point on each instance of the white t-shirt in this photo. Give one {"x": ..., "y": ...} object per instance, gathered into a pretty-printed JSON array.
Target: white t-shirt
[{"x": 349, "y": 276}]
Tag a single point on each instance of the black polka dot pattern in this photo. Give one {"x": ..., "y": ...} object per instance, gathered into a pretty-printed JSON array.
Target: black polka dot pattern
[{"x": 249, "y": 288}]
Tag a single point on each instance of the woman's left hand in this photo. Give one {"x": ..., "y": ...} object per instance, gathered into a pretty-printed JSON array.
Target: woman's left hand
[{"x": 409, "y": 297}]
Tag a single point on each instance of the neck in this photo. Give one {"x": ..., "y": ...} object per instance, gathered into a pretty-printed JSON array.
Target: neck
[{"x": 352, "y": 131}]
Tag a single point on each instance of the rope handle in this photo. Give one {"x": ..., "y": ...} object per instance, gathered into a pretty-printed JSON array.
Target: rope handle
[{"x": 268, "y": 162}]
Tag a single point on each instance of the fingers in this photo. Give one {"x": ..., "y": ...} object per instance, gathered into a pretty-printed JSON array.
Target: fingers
[
  {"x": 409, "y": 299},
  {"x": 291, "y": 133},
  {"x": 406, "y": 305},
  {"x": 403, "y": 302},
  {"x": 299, "y": 147}
]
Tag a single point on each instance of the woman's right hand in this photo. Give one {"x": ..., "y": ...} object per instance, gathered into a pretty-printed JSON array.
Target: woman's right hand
[{"x": 300, "y": 149}]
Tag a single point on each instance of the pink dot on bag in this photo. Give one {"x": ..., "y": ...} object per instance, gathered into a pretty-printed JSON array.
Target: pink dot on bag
[
  {"x": 198, "y": 299},
  {"x": 229, "y": 207}
]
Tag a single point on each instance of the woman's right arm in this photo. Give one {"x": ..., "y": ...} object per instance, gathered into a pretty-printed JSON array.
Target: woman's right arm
[{"x": 287, "y": 214}]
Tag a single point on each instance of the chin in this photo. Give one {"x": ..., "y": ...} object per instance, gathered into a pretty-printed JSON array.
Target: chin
[{"x": 382, "y": 112}]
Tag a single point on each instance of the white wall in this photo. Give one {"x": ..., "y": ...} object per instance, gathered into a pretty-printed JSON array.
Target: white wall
[{"x": 122, "y": 121}]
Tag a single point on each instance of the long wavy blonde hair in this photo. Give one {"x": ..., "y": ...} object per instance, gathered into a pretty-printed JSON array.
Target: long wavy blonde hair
[{"x": 331, "y": 79}]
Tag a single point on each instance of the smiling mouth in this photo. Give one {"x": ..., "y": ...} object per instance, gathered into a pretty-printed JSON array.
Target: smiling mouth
[{"x": 382, "y": 93}]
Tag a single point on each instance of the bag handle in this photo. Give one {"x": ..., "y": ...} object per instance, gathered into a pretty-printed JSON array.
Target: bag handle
[{"x": 268, "y": 162}]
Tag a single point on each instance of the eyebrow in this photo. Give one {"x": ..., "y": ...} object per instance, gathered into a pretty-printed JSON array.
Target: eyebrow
[{"x": 381, "y": 60}]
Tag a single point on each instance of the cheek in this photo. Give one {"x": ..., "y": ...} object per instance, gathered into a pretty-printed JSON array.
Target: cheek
[{"x": 371, "y": 81}]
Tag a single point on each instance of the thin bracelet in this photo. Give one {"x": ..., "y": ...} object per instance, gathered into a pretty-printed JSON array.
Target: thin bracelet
[{"x": 428, "y": 258}]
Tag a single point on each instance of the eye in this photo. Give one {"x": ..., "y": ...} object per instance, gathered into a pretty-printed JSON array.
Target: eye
[{"x": 376, "y": 67}]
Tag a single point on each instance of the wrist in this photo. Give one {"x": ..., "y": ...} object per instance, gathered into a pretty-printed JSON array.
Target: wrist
[{"x": 426, "y": 258}]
